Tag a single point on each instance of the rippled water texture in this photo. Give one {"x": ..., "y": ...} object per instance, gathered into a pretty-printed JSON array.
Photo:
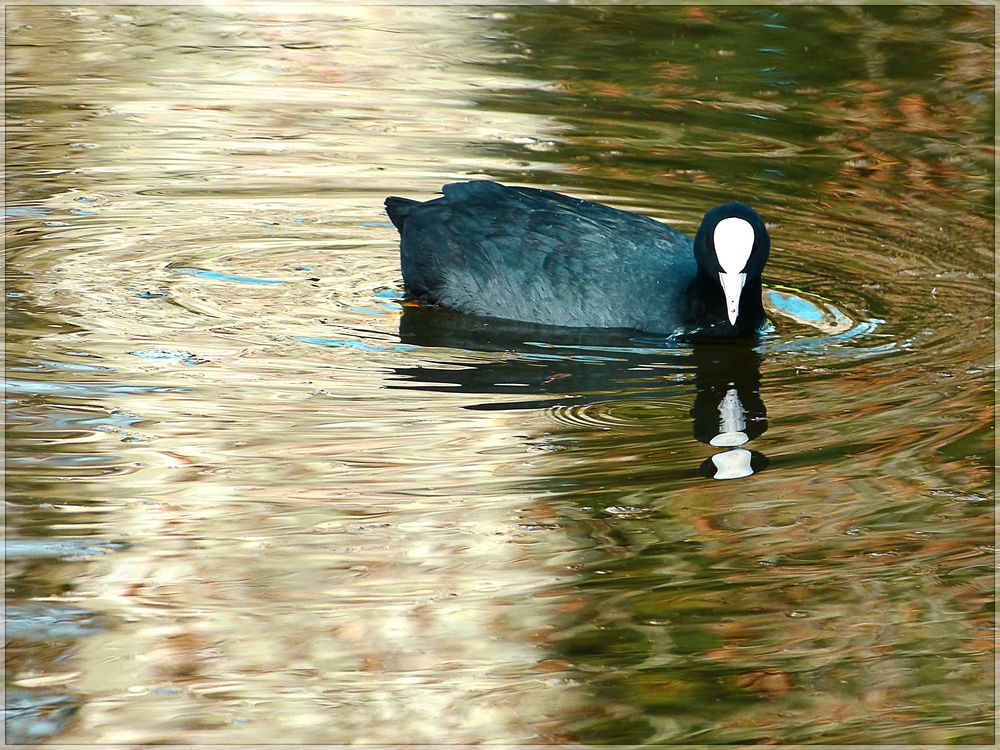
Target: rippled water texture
[{"x": 254, "y": 498}]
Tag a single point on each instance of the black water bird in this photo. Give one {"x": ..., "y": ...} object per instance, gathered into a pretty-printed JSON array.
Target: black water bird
[{"x": 541, "y": 257}]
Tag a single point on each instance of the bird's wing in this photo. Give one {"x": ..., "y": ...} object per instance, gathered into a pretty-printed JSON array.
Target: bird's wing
[{"x": 534, "y": 255}]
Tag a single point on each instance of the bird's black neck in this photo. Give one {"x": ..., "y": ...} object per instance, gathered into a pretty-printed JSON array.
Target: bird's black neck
[{"x": 707, "y": 305}]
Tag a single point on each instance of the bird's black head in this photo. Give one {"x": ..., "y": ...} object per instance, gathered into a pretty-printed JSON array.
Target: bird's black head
[{"x": 731, "y": 249}]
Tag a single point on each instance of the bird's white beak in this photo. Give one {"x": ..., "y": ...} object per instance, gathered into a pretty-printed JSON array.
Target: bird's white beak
[{"x": 732, "y": 287}]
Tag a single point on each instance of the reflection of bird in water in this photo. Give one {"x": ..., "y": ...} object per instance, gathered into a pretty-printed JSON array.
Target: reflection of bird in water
[
  {"x": 574, "y": 365},
  {"x": 728, "y": 410},
  {"x": 732, "y": 422},
  {"x": 735, "y": 463},
  {"x": 538, "y": 256},
  {"x": 587, "y": 366}
]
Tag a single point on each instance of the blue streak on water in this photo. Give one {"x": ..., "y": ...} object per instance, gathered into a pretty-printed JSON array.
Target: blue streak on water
[
  {"x": 352, "y": 344},
  {"x": 795, "y": 306},
  {"x": 809, "y": 312},
  {"x": 539, "y": 357},
  {"x": 59, "y": 420},
  {"x": 66, "y": 366},
  {"x": 607, "y": 349},
  {"x": 63, "y": 459},
  {"x": 365, "y": 310},
  {"x": 201, "y": 273},
  {"x": 27, "y": 211},
  {"x": 62, "y": 548},
  {"x": 32, "y": 716},
  {"x": 376, "y": 223},
  {"x": 85, "y": 389},
  {"x": 382, "y": 308},
  {"x": 44, "y": 622},
  {"x": 865, "y": 326},
  {"x": 574, "y": 357},
  {"x": 824, "y": 344}
]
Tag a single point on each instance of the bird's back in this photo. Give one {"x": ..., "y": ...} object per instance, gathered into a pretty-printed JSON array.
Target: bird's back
[{"x": 541, "y": 257}]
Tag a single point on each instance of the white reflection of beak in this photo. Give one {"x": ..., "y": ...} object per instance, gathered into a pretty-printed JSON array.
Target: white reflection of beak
[
  {"x": 732, "y": 422},
  {"x": 732, "y": 464},
  {"x": 732, "y": 286}
]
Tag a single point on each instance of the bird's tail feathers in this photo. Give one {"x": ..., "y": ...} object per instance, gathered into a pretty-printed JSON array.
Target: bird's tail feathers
[{"x": 399, "y": 209}]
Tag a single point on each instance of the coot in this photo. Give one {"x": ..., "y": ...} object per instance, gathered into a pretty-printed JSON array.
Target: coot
[{"x": 541, "y": 257}]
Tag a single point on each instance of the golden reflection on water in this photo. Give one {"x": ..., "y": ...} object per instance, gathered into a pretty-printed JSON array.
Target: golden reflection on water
[
  {"x": 301, "y": 524},
  {"x": 283, "y": 565}
]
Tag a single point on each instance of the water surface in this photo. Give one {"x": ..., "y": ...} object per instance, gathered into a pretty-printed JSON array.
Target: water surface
[{"x": 254, "y": 498}]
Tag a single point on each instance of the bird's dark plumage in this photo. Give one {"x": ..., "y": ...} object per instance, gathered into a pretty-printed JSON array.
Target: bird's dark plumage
[{"x": 541, "y": 257}]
